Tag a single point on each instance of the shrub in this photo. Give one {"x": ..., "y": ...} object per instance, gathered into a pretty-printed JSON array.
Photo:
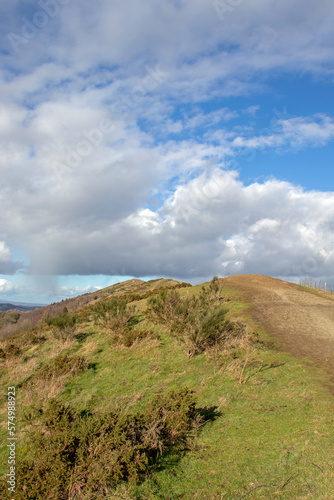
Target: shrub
[
  {"x": 37, "y": 338},
  {"x": 130, "y": 336},
  {"x": 81, "y": 455},
  {"x": 168, "y": 307},
  {"x": 62, "y": 325},
  {"x": 199, "y": 321},
  {"x": 115, "y": 314},
  {"x": 61, "y": 321},
  {"x": 12, "y": 316},
  {"x": 32, "y": 337},
  {"x": 214, "y": 285},
  {"x": 10, "y": 351},
  {"x": 62, "y": 365},
  {"x": 109, "y": 308},
  {"x": 213, "y": 329}
]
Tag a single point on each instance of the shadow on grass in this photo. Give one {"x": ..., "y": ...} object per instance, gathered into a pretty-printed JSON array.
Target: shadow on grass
[
  {"x": 172, "y": 456},
  {"x": 82, "y": 336},
  {"x": 92, "y": 366}
]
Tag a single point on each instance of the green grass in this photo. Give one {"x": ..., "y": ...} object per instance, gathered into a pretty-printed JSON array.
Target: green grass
[
  {"x": 271, "y": 430},
  {"x": 273, "y": 437}
]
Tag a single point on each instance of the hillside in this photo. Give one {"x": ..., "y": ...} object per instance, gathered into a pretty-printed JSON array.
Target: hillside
[
  {"x": 31, "y": 318},
  {"x": 301, "y": 319},
  {"x": 160, "y": 390}
]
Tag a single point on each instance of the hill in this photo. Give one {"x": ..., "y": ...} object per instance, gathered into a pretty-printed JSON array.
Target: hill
[
  {"x": 33, "y": 317},
  {"x": 4, "y": 306},
  {"x": 160, "y": 390},
  {"x": 299, "y": 317}
]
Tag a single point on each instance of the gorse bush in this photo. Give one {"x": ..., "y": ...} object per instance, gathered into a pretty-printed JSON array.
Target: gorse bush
[
  {"x": 76, "y": 454},
  {"x": 199, "y": 321},
  {"x": 111, "y": 308},
  {"x": 114, "y": 314},
  {"x": 11, "y": 316},
  {"x": 10, "y": 351},
  {"x": 9, "y": 323},
  {"x": 62, "y": 365},
  {"x": 131, "y": 336},
  {"x": 61, "y": 321},
  {"x": 169, "y": 308},
  {"x": 212, "y": 328},
  {"x": 62, "y": 325}
]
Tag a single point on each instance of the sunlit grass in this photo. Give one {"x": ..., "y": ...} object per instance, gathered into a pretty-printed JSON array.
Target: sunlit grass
[{"x": 274, "y": 433}]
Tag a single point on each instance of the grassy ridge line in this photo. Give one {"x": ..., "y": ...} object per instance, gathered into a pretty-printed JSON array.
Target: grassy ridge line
[
  {"x": 13, "y": 323},
  {"x": 275, "y": 424}
]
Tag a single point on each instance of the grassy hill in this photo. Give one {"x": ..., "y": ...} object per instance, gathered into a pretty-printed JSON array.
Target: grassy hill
[
  {"x": 160, "y": 390},
  {"x": 13, "y": 324}
]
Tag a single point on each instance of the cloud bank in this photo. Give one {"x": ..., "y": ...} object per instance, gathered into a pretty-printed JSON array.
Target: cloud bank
[{"x": 121, "y": 137}]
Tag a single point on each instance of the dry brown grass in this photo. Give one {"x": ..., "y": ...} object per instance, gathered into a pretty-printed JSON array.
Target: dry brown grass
[
  {"x": 18, "y": 370},
  {"x": 39, "y": 390},
  {"x": 89, "y": 347},
  {"x": 57, "y": 347}
]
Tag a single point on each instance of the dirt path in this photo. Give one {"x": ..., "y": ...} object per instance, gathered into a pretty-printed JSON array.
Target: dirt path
[{"x": 304, "y": 322}]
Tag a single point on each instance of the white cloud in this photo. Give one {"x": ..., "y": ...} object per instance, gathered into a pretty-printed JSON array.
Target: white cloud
[
  {"x": 296, "y": 133},
  {"x": 264, "y": 225},
  {"x": 213, "y": 223},
  {"x": 316, "y": 130},
  {"x": 74, "y": 291},
  {"x": 6, "y": 286},
  {"x": 5, "y": 253},
  {"x": 76, "y": 197}
]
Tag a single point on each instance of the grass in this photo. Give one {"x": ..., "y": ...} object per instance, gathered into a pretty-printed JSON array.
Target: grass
[
  {"x": 320, "y": 292},
  {"x": 272, "y": 438}
]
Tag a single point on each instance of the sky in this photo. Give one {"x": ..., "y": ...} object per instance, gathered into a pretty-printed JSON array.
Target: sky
[{"x": 181, "y": 139}]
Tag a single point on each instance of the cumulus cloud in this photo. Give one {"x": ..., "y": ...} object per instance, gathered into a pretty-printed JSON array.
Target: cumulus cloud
[
  {"x": 7, "y": 265},
  {"x": 6, "y": 286},
  {"x": 112, "y": 154},
  {"x": 211, "y": 224}
]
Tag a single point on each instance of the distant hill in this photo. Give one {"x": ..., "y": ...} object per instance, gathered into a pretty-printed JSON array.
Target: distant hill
[{"x": 5, "y": 306}]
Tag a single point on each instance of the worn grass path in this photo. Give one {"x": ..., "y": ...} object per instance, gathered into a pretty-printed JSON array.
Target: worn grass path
[{"x": 300, "y": 319}]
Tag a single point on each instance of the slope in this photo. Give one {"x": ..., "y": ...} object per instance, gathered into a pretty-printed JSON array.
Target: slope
[
  {"x": 261, "y": 427},
  {"x": 32, "y": 318},
  {"x": 301, "y": 320}
]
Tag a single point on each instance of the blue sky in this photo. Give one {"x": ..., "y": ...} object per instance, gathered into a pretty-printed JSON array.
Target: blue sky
[{"x": 180, "y": 139}]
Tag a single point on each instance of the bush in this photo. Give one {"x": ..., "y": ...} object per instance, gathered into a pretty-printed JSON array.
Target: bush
[
  {"x": 114, "y": 314},
  {"x": 36, "y": 339},
  {"x": 213, "y": 330},
  {"x": 12, "y": 316},
  {"x": 61, "y": 321},
  {"x": 62, "y": 365},
  {"x": 32, "y": 337},
  {"x": 82, "y": 455},
  {"x": 169, "y": 308},
  {"x": 10, "y": 351},
  {"x": 131, "y": 336},
  {"x": 199, "y": 321},
  {"x": 109, "y": 308},
  {"x": 62, "y": 325}
]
